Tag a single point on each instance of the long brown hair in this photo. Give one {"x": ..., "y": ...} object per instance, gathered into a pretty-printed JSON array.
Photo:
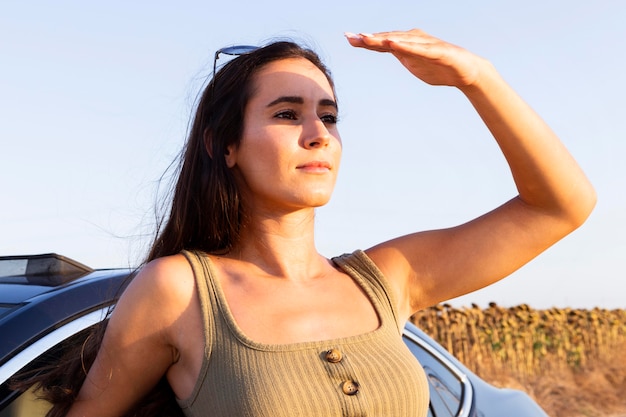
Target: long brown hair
[{"x": 205, "y": 214}]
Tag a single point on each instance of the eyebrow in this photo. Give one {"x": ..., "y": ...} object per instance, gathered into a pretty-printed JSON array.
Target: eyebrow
[{"x": 299, "y": 100}]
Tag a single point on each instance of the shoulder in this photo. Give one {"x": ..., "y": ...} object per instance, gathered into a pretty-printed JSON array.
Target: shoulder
[
  {"x": 169, "y": 273},
  {"x": 164, "y": 286},
  {"x": 394, "y": 266}
]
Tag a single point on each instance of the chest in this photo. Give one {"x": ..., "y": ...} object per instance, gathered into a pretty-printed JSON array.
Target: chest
[{"x": 279, "y": 312}]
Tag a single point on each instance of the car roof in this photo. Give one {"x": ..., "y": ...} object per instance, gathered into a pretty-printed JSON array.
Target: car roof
[{"x": 24, "y": 276}]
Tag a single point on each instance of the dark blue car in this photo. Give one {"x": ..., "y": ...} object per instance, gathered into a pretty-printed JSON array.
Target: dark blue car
[{"x": 48, "y": 299}]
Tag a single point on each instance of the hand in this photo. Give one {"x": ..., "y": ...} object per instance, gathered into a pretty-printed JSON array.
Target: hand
[{"x": 430, "y": 59}]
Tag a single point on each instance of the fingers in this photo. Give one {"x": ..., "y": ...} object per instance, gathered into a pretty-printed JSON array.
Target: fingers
[
  {"x": 365, "y": 40},
  {"x": 391, "y": 41}
]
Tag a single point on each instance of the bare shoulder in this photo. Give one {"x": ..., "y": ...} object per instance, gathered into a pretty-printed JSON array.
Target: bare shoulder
[
  {"x": 169, "y": 273},
  {"x": 407, "y": 262},
  {"x": 165, "y": 285}
]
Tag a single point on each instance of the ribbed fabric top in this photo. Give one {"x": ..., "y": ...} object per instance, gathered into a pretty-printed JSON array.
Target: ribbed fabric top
[{"x": 371, "y": 374}]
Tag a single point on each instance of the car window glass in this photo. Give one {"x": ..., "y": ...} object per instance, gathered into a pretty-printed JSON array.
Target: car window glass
[
  {"x": 26, "y": 405},
  {"x": 446, "y": 389}
]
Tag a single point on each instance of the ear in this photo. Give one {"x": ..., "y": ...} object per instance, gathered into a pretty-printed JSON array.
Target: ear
[{"x": 230, "y": 155}]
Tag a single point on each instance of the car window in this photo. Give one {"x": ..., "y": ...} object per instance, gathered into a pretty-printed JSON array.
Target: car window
[
  {"x": 26, "y": 405},
  {"x": 446, "y": 387}
]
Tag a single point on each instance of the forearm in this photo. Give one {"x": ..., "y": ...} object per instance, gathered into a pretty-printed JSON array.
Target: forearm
[{"x": 546, "y": 175}]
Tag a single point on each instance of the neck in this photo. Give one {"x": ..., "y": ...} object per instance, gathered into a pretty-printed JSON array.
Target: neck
[{"x": 281, "y": 245}]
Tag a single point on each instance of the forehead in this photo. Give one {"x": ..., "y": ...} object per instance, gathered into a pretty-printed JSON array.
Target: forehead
[{"x": 296, "y": 76}]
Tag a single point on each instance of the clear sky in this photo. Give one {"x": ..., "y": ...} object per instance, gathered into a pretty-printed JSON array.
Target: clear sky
[{"x": 95, "y": 98}]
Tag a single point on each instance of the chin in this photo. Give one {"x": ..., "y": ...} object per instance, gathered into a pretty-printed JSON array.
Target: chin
[
  {"x": 320, "y": 204},
  {"x": 319, "y": 200}
]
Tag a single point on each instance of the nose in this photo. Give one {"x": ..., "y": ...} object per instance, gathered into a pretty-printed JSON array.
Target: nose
[{"x": 316, "y": 135}]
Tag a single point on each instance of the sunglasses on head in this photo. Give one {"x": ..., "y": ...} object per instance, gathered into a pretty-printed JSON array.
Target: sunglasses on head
[{"x": 236, "y": 50}]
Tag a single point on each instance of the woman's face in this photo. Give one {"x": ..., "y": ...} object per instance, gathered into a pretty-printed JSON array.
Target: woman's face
[{"x": 290, "y": 150}]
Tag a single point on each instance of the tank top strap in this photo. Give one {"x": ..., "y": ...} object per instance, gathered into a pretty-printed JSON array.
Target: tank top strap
[
  {"x": 205, "y": 285},
  {"x": 361, "y": 268},
  {"x": 209, "y": 305}
]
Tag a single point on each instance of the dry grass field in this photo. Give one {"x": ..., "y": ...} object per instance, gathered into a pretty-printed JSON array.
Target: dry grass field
[{"x": 572, "y": 362}]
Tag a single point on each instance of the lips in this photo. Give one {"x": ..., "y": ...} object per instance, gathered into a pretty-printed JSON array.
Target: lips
[{"x": 315, "y": 165}]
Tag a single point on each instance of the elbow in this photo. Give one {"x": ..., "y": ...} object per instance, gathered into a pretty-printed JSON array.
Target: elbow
[{"x": 581, "y": 207}]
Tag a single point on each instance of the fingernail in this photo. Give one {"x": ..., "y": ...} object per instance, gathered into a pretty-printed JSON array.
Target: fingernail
[
  {"x": 351, "y": 35},
  {"x": 366, "y": 34}
]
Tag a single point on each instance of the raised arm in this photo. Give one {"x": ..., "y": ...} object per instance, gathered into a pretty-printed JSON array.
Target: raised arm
[{"x": 554, "y": 197}]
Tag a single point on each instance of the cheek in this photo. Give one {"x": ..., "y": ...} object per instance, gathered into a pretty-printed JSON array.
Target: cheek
[
  {"x": 338, "y": 147},
  {"x": 262, "y": 156}
]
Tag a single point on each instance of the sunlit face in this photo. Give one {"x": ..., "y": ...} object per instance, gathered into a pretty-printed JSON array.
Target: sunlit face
[{"x": 290, "y": 150}]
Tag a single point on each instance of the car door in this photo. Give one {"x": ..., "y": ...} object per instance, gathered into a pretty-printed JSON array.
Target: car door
[{"x": 451, "y": 392}]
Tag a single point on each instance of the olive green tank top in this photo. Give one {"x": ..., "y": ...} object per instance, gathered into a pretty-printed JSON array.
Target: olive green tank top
[{"x": 371, "y": 374}]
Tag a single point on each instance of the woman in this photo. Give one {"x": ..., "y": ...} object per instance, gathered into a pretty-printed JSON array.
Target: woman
[{"x": 238, "y": 310}]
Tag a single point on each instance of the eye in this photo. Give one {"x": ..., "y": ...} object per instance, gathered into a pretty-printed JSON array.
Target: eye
[
  {"x": 330, "y": 119},
  {"x": 286, "y": 114}
]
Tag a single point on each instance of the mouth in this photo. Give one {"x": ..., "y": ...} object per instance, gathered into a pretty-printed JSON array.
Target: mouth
[{"x": 315, "y": 166}]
